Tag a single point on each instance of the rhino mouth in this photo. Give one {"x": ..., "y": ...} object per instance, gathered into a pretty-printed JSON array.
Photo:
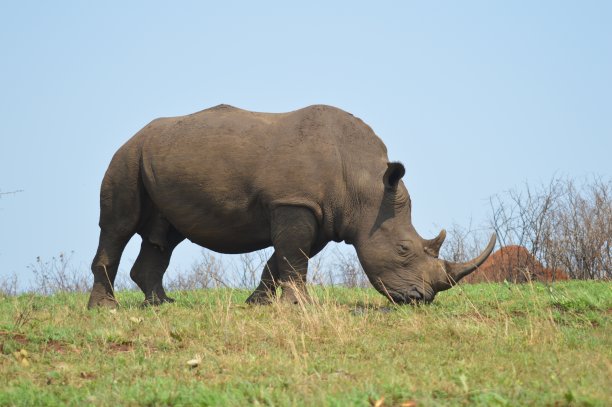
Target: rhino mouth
[{"x": 413, "y": 296}]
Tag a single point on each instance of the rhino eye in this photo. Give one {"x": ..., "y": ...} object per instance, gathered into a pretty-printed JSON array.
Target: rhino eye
[{"x": 403, "y": 249}]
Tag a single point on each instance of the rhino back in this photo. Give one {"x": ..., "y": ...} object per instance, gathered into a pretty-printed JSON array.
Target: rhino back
[{"x": 217, "y": 173}]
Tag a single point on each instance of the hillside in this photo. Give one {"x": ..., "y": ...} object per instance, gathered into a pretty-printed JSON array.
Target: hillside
[{"x": 483, "y": 344}]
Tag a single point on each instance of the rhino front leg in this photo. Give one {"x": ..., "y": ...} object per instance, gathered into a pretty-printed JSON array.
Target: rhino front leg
[
  {"x": 294, "y": 230},
  {"x": 150, "y": 267},
  {"x": 266, "y": 290}
]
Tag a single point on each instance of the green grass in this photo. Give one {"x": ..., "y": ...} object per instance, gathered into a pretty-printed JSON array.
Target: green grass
[{"x": 488, "y": 344}]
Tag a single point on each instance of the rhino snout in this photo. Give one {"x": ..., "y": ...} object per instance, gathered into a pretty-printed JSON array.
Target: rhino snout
[{"x": 412, "y": 296}]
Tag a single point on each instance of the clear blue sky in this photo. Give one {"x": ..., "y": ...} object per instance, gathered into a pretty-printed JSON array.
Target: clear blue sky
[{"x": 474, "y": 97}]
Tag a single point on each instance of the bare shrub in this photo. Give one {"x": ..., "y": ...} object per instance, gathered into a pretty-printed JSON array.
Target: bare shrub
[
  {"x": 526, "y": 217},
  {"x": 123, "y": 282},
  {"x": 8, "y": 286},
  {"x": 565, "y": 227},
  {"x": 206, "y": 272},
  {"x": 249, "y": 268},
  {"x": 244, "y": 271},
  {"x": 348, "y": 271},
  {"x": 463, "y": 244},
  {"x": 317, "y": 269},
  {"x": 58, "y": 275},
  {"x": 584, "y": 231},
  {"x": 558, "y": 230}
]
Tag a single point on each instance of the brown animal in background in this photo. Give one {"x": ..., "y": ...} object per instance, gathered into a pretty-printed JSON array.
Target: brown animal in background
[{"x": 514, "y": 264}]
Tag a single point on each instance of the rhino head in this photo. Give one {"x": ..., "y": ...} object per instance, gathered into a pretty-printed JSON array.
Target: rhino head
[{"x": 399, "y": 263}]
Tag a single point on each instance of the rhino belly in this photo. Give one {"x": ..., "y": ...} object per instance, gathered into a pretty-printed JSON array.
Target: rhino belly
[
  {"x": 223, "y": 220},
  {"x": 220, "y": 219},
  {"x": 230, "y": 240}
]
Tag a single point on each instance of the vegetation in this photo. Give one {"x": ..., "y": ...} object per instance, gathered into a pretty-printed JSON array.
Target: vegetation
[
  {"x": 483, "y": 344},
  {"x": 565, "y": 225}
]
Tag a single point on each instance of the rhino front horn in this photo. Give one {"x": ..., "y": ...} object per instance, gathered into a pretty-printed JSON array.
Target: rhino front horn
[{"x": 456, "y": 271}]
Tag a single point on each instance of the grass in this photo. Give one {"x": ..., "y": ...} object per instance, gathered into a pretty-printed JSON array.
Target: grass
[{"x": 487, "y": 344}]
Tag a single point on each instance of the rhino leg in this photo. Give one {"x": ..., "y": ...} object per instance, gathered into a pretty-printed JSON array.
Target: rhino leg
[
  {"x": 120, "y": 210},
  {"x": 150, "y": 267},
  {"x": 119, "y": 216},
  {"x": 294, "y": 230},
  {"x": 266, "y": 290},
  {"x": 158, "y": 234},
  {"x": 104, "y": 268}
]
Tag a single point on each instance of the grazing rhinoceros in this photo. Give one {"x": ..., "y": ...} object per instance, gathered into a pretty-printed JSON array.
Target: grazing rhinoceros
[{"x": 236, "y": 181}]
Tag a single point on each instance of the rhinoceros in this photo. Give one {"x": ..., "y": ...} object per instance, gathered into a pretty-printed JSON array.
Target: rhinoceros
[{"x": 235, "y": 181}]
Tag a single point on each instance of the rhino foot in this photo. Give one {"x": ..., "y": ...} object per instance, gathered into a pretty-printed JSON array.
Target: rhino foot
[
  {"x": 260, "y": 298},
  {"x": 100, "y": 298},
  {"x": 154, "y": 300},
  {"x": 293, "y": 294}
]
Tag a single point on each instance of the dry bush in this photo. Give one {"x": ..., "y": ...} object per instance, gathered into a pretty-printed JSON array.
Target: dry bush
[
  {"x": 8, "y": 286},
  {"x": 317, "y": 269},
  {"x": 584, "y": 231},
  {"x": 123, "y": 282},
  {"x": 566, "y": 230},
  {"x": 58, "y": 275},
  {"x": 462, "y": 244},
  {"x": 249, "y": 268},
  {"x": 563, "y": 226},
  {"x": 346, "y": 271},
  {"x": 207, "y": 272},
  {"x": 525, "y": 217},
  {"x": 210, "y": 271},
  {"x": 246, "y": 269}
]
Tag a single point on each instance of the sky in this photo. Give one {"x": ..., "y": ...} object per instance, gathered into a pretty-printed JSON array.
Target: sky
[{"x": 474, "y": 97}]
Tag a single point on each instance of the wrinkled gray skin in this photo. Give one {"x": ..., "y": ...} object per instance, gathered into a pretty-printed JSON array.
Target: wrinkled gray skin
[{"x": 236, "y": 181}]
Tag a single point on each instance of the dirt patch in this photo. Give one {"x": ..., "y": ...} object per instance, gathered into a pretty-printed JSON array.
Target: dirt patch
[
  {"x": 19, "y": 338},
  {"x": 121, "y": 347},
  {"x": 48, "y": 346},
  {"x": 518, "y": 313},
  {"x": 56, "y": 346},
  {"x": 16, "y": 337},
  {"x": 87, "y": 375}
]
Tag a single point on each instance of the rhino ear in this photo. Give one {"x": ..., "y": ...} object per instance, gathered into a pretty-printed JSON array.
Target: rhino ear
[{"x": 393, "y": 175}]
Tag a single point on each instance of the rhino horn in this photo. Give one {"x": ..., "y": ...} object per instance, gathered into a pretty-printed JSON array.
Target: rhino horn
[
  {"x": 456, "y": 271},
  {"x": 432, "y": 246}
]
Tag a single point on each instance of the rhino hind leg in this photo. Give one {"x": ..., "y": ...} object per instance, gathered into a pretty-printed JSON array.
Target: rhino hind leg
[
  {"x": 104, "y": 268},
  {"x": 151, "y": 264},
  {"x": 119, "y": 217},
  {"x": 158, "y": 234}
]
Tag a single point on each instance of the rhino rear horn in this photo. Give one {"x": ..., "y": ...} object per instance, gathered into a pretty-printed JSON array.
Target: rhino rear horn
[{"x": 432, "y": 246}]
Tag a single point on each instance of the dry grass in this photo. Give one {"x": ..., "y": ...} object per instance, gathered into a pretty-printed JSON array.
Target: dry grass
[{"x": 482, "y": 344}]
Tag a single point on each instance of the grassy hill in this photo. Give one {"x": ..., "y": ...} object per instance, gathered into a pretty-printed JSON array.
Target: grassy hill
[{"x": 486, "y": 344}]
